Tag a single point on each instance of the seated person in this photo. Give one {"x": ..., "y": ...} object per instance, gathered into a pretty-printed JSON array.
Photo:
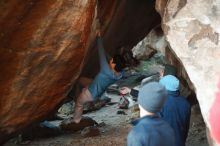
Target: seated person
[
  {"x": 109, "y": 73},
  {"x": 168, "y": 70},
  {"x": 150, "y": 129}
]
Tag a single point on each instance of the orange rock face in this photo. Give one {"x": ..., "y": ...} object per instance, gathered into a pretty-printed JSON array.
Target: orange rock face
[
  {"x": 42, "y": 45},
  {"x": 45, "y": 44}
]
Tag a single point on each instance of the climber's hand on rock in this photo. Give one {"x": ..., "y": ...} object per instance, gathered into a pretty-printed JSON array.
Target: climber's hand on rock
[{"x": 98, "y": 33}]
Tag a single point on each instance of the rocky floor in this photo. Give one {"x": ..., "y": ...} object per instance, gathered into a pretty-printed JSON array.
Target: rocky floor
[
  {"x": 197, "y": 131},
  {"x": 113, "y": 130}
]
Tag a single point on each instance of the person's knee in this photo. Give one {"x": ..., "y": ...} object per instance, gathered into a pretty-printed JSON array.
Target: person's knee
[{"x": 85, "y": 96}]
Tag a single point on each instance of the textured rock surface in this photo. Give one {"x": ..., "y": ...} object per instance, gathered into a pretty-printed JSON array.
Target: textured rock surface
[
  {"x": 42, "y": 46},
  {"x": 154, "y": 40},
  {"x": 192, "y": 29},
  {"x": 45, "y": 44}
]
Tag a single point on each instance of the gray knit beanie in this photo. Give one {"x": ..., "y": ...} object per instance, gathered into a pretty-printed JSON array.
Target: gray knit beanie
[{"x": 152, "y": 97}]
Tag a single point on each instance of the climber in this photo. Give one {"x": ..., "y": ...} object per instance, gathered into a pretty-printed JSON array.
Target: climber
[
  {"x": 150, "y": 129},
  {"x": 176, "y": 110},
  {"x": 109, "y": 73}
]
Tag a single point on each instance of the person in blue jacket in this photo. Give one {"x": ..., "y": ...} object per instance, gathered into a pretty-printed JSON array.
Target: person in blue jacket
[
  {"x": 176, "y": 110},
  {"x": 150, "y": 129},
  {"x": 109, "y": 73}
]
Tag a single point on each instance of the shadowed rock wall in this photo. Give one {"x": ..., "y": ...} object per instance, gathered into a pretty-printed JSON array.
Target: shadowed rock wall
[{"x": 130, "y": 23}]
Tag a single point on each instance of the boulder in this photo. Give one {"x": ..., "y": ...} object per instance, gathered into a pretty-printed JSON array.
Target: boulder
[
  {"x": 42, "y": 47},
  {"x": 45, "y": 45},
  {"x": 192, "y": 29}
]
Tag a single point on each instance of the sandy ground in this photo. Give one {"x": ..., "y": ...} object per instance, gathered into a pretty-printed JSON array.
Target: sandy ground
[
  {"x": 113, "y": 133},
  {"x": 115, "y": 130}
]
